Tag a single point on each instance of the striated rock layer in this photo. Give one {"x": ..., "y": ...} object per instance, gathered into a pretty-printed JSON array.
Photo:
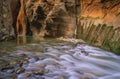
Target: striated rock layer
[
  {"x": 54, "y": 18},
  {"x": 101, "y": 11}
]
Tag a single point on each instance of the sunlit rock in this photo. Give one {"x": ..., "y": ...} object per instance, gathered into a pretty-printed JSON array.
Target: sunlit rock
[{"x": 105, "y": 10}]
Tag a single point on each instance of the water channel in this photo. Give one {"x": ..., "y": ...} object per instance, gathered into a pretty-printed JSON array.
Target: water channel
[{"x": 56, "y": 59}]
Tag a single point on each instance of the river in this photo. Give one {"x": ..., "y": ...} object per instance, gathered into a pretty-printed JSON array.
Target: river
[{"x": 56, "y": 59}]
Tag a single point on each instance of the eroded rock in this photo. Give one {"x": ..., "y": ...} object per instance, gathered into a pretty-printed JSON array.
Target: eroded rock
[
  {"x": 8, "y": 13},
  {"x": 54, "y": 18},
  {"x": 101, "y": 11},
  {"x": 49, "y": 18}
]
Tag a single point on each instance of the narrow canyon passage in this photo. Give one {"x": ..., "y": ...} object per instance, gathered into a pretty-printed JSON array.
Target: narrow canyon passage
[
  {"x": 56, "y": 59},
  {"x": 43, "y": 39}
]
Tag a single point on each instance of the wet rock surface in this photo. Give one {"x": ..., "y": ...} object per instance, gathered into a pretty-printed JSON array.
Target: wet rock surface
[
  {"x": 58, "y": 60},
  {"x": 8, "y": 14},
  {"x": 54, "y": 18}
]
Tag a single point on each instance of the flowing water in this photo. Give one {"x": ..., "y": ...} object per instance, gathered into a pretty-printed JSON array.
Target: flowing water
[{"x": 55, "y": 59}]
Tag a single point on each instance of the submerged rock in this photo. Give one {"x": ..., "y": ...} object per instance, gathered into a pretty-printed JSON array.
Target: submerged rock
[
  {"x": 20, "y": 70},
  {"x": 26, "y": 75},
  {"x": 3, "y": 64},
  {"x": 60, "y": 61},
  {"x": 38, "y": 72}
]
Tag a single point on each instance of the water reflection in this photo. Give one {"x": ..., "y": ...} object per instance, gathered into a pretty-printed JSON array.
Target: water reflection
[
  {"x": 21, "y": 40},
  {"x": 37, "y": 38},
  {"x": 63, "y": 60}
]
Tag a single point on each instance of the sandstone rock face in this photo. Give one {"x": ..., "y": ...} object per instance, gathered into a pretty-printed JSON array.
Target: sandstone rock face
[
  {"x": 21, "y": 22},
  {"x": 101, "y": 11},
  {"x": 56, "y": 18},
  {"x": 7, "y": 11},
  {"x": 53, "y": 18}
]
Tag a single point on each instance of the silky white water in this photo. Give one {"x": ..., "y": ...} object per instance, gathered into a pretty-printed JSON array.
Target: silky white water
[{"x": 64, "y": 60}]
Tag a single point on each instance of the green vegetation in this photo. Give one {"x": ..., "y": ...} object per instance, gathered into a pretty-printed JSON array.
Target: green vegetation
[{"x": 106, "y": 37}]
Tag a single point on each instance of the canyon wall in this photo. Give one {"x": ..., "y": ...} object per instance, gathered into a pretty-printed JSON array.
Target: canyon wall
[
  {"x": 54, "y": 18},
  {"x": 101, "y": 11},
  {"x": 49, "y": 18},
  {"x": 99, "y": 23},
  {"x": 8, "y": 14}
]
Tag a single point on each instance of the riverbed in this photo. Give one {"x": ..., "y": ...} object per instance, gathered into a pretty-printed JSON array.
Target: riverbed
[{"x": 56, "y": 59}]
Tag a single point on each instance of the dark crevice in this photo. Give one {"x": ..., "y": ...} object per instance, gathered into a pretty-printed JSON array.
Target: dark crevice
[
  {"x": 15, "y": 10},
  {"x": 103, "y": 1},
  {"x": 28, "y": 30}
]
